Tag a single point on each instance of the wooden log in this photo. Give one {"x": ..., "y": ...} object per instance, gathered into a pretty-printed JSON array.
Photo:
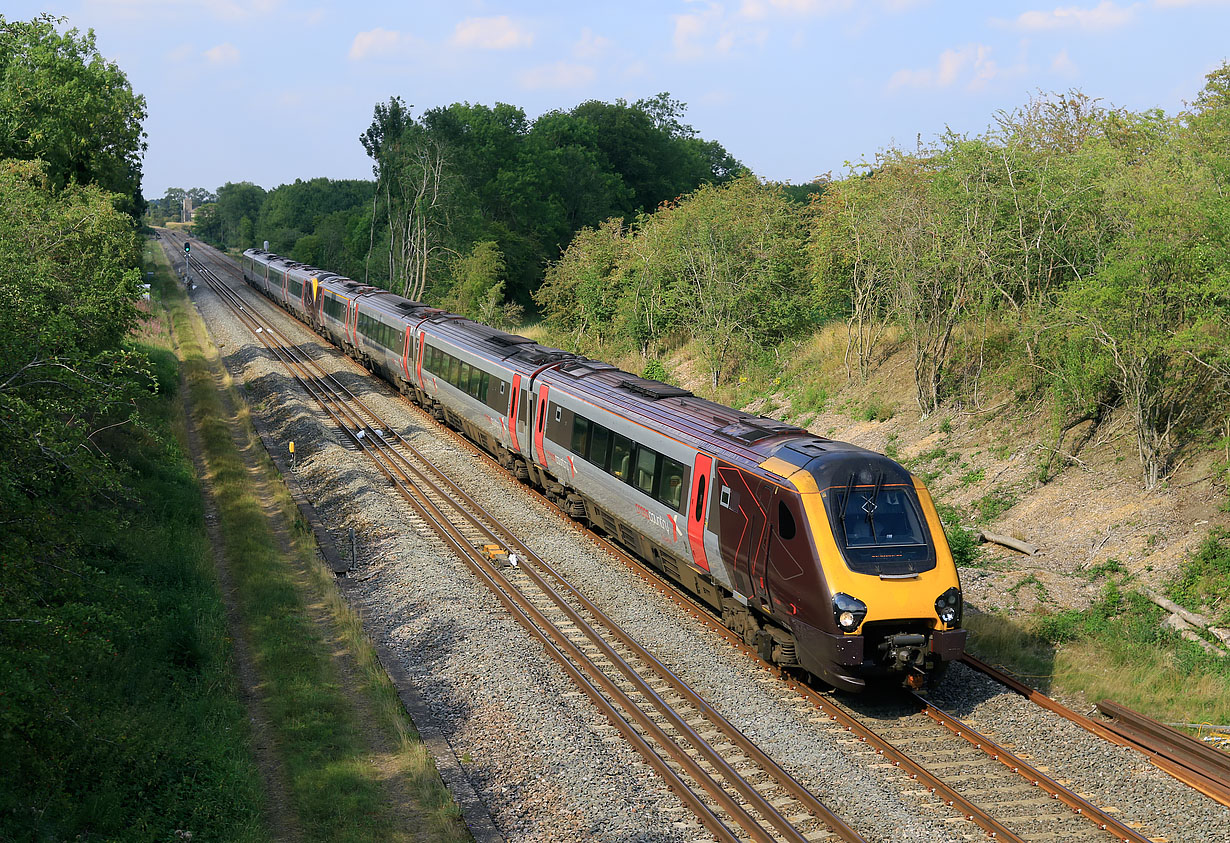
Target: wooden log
[
  {"x": 1008, "y": 542},
  {"x": 1170, "y": 606},
  {"x": 1188, "y": 632}
]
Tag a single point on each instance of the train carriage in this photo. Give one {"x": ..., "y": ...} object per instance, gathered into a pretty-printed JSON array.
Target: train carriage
[{"x": 819, "y": 553}]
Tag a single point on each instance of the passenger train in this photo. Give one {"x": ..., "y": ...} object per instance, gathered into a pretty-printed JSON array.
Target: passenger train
[{"x": 822, "y": 555}]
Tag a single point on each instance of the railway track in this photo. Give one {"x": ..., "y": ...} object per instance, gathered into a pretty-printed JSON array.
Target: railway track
[
  {"x": 734, "y": 789},
  {"x": 998, "y": 792}
]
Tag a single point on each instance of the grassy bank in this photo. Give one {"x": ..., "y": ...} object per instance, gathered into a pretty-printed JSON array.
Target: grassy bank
[
  {"x": 324, "y": 729},
  {"x": 119, "y": 712},
  {"x": 1118, "y": 649}
]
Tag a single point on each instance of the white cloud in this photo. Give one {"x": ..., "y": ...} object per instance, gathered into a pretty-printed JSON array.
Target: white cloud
[
  {"x": 760, "y": 9},
  {"x": 498, "y": 33},
  {"x": 379, "y": 43},
  {"x": 972, "y": 63},
  {"x": 698, "y": 34},
  {"x": 1063, "y": 64},
  {"x": 223, "y": 54},
  {"x": 1105, "y": 15},
  {"x": 590, "y": 45},
  {"x": 561, "y": 74}
]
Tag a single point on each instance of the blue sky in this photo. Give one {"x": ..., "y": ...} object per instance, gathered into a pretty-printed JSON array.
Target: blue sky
[{"x": 273, "y": 90}]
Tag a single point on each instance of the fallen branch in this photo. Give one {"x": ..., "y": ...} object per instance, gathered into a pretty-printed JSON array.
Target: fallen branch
[
  {"x": 1188, "y": 633},
  {"x": 1008, "y": 542},
  {"x": 1170, "y": 606},
  {"x": 1069, "y": 457}
]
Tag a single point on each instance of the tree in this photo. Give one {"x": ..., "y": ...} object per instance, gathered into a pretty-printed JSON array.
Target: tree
[
  {"x": 1158, "y": 306},
  {"x": 235, "y": 202},
  {"x": 61, "y": 102}
]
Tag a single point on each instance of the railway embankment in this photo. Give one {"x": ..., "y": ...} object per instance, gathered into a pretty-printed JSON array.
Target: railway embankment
[{"x": 336, "y": 754}]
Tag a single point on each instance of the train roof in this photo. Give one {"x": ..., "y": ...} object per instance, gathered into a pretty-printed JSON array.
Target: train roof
[{"x": 673, "y": 409}]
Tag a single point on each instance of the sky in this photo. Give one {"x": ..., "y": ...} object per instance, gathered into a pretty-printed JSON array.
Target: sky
[{"x": 269, "y": 91}]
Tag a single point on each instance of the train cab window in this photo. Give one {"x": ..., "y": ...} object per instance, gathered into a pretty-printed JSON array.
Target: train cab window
[
  {"x": 580, "y": 433},
  {"x": 646, "y": 470},
  {"x": 621, "y": 457},
  {"x": 599, "y": 446},
  {"x": 785, "y": 522},
  {"x": 670, "y": 484},
  {"x": 886, "y": 517}
]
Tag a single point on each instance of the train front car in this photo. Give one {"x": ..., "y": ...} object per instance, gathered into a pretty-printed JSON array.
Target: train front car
[{"x": 886, "y": 604}]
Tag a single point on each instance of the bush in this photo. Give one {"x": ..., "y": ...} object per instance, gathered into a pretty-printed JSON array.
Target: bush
[
  {"x": 965, "y": 550},
  {"x": 1204, "y": 582},
  {"x": 654, "y": 370}
]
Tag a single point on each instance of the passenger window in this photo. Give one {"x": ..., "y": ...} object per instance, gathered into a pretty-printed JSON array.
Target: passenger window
[
  {"x": 454, "y": 370},
  {"x": 621, "y": 457},
  {"x": 670, "y": 487},
  {"x": 476, "y": 381},
  {"x": 580, "y": 432},
  {"x": 785, "y": 522},
  {"x": 599, "y": 446},
  {"x": 463, "y": 378},
  {"x": 484, "y": 382},
  {"x": 646, "y": 469}
]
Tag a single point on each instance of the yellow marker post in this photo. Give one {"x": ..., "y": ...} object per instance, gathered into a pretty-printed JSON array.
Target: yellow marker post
[{"x": 292, "y": 455}]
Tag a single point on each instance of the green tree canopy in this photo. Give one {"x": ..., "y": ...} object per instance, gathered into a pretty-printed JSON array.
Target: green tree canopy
[{"x": 61, "y": 102}]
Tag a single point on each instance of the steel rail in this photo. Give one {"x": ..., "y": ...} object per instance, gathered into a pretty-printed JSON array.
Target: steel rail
[
  {"x": 1207, "y": 769},
  {"x": 970, "y": 810},
  {"x": 465, "y": 545},
  {"x": 1032, "y": 774},
  {"x": 523, "y": 612},
  {"x": 1213, "y": 786}
]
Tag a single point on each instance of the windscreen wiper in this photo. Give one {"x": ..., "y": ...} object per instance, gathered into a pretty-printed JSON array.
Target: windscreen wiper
[{"x": 872, "y": 504}]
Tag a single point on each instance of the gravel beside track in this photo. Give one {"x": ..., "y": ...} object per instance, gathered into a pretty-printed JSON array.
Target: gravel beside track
[
  {"x": 1108, "y": 774},
  {"x": 546, "y": 763}
]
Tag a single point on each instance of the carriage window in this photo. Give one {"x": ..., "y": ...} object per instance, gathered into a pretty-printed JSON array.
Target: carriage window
[
  {"x": 670, "y": 484},
  {"x": 646, "y": 469},
  {"x": 785, "y": 521},
  {"x": 580, "y": 432},
  {"x": 621, "y": 457},
  {"x": 599, "y": 446},
  {"x": 463, "y": 378},
  {"x": 454, "y": 370}
]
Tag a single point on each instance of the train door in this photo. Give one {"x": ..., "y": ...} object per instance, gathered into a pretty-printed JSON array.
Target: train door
[
  {"x": 513, "y": 406},
  {"x": 740, "y": 517},
  {"x": 418, "y": 366},
  {"x": 788, "y": 552},
  {"x": 407, "y": 352},
  {"x": 540, "y": 426},
  {"x": 701, "y": 470},
  {"x": 310, "y": 298}
]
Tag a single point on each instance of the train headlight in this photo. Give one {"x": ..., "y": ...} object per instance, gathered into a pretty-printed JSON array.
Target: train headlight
[
  {"x": 848, "y": 612},
  {"x": 948, "y": 606}
]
